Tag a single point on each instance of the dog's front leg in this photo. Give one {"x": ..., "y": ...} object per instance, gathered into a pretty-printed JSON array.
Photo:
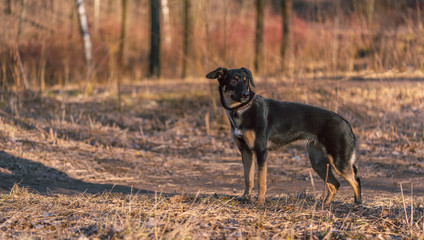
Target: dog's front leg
[
  {"x": 262, "y": 171},
  {"x": 249, "y": 172}
]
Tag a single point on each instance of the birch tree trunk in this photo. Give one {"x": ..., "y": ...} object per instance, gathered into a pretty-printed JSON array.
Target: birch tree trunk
[
  {"x": 82, "y": 20},
  {"x": 166, "y": 23}
]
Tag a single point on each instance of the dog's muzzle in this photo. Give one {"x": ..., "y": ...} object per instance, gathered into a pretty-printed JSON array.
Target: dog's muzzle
[{"x": 243, "y": 97}]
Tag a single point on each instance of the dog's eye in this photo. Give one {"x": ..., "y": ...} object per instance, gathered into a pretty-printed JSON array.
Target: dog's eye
[{"x": 233, "y": 82}]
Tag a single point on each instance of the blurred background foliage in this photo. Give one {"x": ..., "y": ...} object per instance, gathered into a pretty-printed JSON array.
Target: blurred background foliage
[{"x": 41, "y": 42}]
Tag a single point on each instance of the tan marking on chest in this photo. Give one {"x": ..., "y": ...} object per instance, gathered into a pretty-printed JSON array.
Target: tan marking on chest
[{"x": 249, "y": 137}]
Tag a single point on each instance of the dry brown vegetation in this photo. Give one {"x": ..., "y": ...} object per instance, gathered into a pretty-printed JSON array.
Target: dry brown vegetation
[
  {"x": 156, "y": 216},
  {"x": 326, "y": 36},
  {"x": 125, "y": 157},
  {"x": 158, "y": 162}
]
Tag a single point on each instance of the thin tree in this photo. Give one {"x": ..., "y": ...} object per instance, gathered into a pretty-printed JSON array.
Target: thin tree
[
  {"x": 122, "y": 38},
  {"x": 96, "y": 14},
  {"x": 366, "y": 8},
  {"x": 187, "y": 37},
  {"x": 82, "y": 20},
  {"x": 21, "y": 19},
  {"x": 259, "y": 33},
  {"x": 8, "y": 9},
  {"x": 166, "y": 24},
  {"x": 123, "y": 33},
  {"x": 18, "y": 54},
  {"x": 154, "y": 59},
  {"x": 370, "y": 11},
  {"x": 286, "y": 8}
]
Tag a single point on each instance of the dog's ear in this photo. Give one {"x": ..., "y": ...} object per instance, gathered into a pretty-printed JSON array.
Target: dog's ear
[
  {"x": 250, "y": 75},
  {"x": 217, "y": 73}
]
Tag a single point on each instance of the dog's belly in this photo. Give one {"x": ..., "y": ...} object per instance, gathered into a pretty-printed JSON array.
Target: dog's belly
[
  {"x": 273, "y": 145},
  {"x": 278, "y": 141}
]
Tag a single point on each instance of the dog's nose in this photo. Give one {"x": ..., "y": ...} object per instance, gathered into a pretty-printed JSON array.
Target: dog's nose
[{"x": 246, "y": 94}]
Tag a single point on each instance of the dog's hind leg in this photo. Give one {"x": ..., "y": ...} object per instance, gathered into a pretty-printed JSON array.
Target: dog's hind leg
[
  {"x": 358, "y": 198},
  {"x": 262, "y": 172},
  {"x": 319, "y": 161},
  {"x": 348, "y": 171}
]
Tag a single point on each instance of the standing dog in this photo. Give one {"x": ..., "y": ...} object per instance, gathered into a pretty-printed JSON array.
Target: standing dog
[{"x": 259, "y": 124}]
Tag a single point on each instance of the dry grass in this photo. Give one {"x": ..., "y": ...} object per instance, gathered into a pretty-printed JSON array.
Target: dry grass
[
  {"x": 88, "y": 166},
  {"x": 153, "y": 216}
]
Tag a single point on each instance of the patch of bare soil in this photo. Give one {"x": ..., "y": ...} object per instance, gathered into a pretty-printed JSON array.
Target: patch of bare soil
[{"x": 173, "y": 137}]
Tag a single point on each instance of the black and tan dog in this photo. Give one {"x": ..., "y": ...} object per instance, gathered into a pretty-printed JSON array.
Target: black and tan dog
[{"x": 259, "y": 124}]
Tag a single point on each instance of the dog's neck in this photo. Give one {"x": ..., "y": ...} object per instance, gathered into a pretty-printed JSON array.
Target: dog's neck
[{"x": 238, "y": 107}]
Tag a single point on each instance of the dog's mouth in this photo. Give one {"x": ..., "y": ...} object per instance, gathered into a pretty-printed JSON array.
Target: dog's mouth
[
  {"x": 244, "y": 99},
  {"x": 239, "y": 99}
]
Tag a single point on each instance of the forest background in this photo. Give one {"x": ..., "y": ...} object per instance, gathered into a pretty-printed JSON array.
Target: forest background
[
  {"x": 109, "y": 129},
  {"x": 42, "y": 44}
]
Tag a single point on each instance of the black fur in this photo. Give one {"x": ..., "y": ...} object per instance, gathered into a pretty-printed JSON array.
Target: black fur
[{"x": 259, "y": 124}]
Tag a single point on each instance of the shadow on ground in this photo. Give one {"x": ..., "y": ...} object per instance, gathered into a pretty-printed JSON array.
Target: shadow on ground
[{"x": 48, "y": 180}]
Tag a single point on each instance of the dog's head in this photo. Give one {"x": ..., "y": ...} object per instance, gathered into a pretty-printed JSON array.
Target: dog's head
[{"x": 234, "y": 85}]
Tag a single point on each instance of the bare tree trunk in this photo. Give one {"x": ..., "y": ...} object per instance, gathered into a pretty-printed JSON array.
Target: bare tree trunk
[
  {"x": 18, "y": 55},
  {"x": 187, "y": 36},
  {"x": 166, "y": 27},
  {"x": 82, "y": 20},
  {"x": 286, "y": 7},
  {"x": 259, "y": 33},
  {"x": 122, "y": 39},
  {"x": 370, "y": 11},
  {"x": 96, "y": 14},
  {"x": 8, "y": 9},
  {"x": 21, "y": 19},
  {"x": 205, "y": 8},
  {"x": 335, "y": 45},
  {"x": 154, "y": 63},
  {"x": 365, "y": 8},
  {"x": 123, "y": 33},
  {"x": 225, "y": 34},
  {"x": 419, "y": 23},
  {"x": 110, "y": 7}
]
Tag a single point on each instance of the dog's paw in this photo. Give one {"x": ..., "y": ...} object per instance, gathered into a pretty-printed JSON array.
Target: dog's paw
[
  {"x": 260, "y": 201},
  {"x": 244, "y": 199}
]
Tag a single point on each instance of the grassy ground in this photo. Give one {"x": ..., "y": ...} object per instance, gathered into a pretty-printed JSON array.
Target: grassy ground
[
  {"x": 157, "y": 162},
  {"x": 153, "y": 216}
]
